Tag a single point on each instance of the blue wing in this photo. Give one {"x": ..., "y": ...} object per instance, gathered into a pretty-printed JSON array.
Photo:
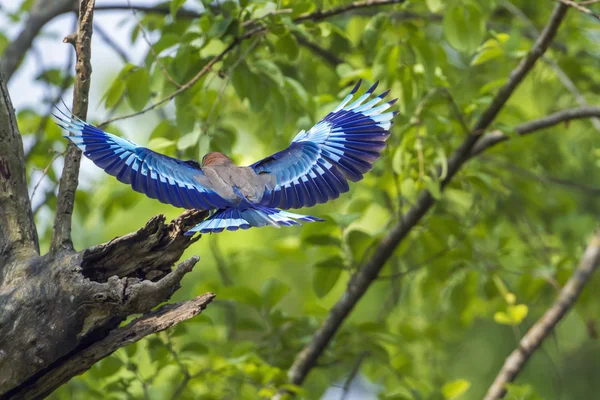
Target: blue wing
[
  {"x": 172, "y": 181},
  {"x": 343, "y": 146}
]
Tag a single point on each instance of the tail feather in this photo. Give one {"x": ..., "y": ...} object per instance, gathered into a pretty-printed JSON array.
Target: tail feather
[{"x": 233, "y": 219}]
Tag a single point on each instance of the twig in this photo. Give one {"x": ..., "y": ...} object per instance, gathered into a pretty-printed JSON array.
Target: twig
[
  {"x": 182, "y": 12},
  {"x": 525, "y": 173},
  {"x": 213, "y": 109},
  {"x": 497, "y": 136},
  {"x": 353, "y": 373},
  {"x": 362, "y": 280},
  {"x": 546, "y": 324},
  {"x": 44, "y": 173},
  {"x": 320, "y": 15},
  {"x": 147, "y": 40},
  {"x": 580, "y": 7},
  {"x": 61, "y": 236},
  {"x": 322, "y": 52},
  {"x": 105, "y": 36},
  {"x": 260, "y": 30}
]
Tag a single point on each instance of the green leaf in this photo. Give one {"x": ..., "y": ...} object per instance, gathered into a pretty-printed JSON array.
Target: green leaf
[
  {"x": 435, "y": 5},
  {"x": 513, "y": 315},
  {"x": 490, "y": 49},
  {"x": 464, "y": 26},
  {"x": 158, "y": 144},
  {"x": 344, "y": 220},
  {"x": 455, "y": 389},
  {"x": 323, "y": 240},
  {"x": 174, "y": 7},
  {"x": 288, "y": 45},
  {"x": 114, "y": 93},
  {"x": 270, "y": 70},
  {"x": 326, "y": 275},
  {"x": 272, "y": 292},
  {"x": 165, "y": 129},
  {"x": 433, "y": 186},
  {"x": 359, "y": 242},
  {"x": 220, "y": 28},
  {"x": 241, "y": 294},
  {"x": 188, "y": 140},
  {"x": 195, "y": 348},
  {"x": 109, "y": 366},
  {"x": 138, "y": 89}
]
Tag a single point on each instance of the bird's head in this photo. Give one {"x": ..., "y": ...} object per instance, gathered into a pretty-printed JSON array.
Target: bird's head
[{"x": 214, "y": 159}]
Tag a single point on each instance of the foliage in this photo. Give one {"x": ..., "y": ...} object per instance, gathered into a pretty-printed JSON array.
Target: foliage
[{"x": 463, "y": 287}]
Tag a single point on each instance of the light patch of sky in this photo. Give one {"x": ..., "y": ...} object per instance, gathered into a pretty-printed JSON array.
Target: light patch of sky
[{"x": 50, "y": 51}]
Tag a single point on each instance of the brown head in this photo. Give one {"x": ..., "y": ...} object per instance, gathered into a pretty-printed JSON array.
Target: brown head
[{"x": 215, "y": 159}]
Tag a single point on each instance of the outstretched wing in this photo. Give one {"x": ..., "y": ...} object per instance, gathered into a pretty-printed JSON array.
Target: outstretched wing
[
  {"x": 342, "y": 146},
  {"x": 172, "y": 181}
]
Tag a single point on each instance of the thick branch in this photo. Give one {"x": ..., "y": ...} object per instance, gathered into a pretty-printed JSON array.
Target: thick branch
[
  {"x": 147, "y": 253},
  {"x": 82, "y": 297},
  {"x": 42, "y": 12},
  {"x": 362, "y": 280},
  {"x": 18, "y": 236},
  {"x": 61, "y": 237},
  {"x": 495, "y": 137},
  {"x": 545, "y": 325},
  {"x": 75, "y": 364}
]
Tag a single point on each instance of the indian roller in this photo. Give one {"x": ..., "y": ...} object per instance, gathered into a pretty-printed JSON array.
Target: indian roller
[{"x": 314, "y": 169}]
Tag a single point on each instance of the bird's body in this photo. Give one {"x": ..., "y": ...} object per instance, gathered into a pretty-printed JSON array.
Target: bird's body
[{"x": 315, "y": 168}]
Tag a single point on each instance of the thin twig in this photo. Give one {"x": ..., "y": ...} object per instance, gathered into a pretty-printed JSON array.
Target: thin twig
[
  {"x": 353, "y": 373},
  {"x": 546, "y": 324},
  {"x": 322, "y": 52},
  {"x": 497, "y": 136},
  {"x": 580, "y": 7},
  {"x": 105, "y": 36},
  {"x": 147, "y": 40},
  {"x": 44, "y": 173},
  {"x": 525, "y": 173}
]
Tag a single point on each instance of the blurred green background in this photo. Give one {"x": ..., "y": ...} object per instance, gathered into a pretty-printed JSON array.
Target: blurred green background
[{"x": 458, "y": 293}]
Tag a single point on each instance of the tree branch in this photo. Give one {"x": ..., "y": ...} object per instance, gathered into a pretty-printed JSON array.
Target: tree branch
[
  {"x": 82, "y": 297},
  {"x": 322, "y": 52},
  {"x": 82, "y": 40},
  {"x": 156, "y": 321},
  {"x": 255, "y": 31},
  {"x": 497, "y": 136},
  {"x": 545, "y": 325},
  {"x": 362, "y": 280},
  {"x": 42, "y": 11},
  {"x": 18, "y": 236}
]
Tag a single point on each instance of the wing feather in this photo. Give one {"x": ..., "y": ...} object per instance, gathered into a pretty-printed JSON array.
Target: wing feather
[
  {"x": 156, "y": 175},
  {"x": 343, "y": 146}
]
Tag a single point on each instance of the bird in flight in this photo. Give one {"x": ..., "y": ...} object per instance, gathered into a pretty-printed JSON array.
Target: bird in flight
[{"x": 315, "y": 168}]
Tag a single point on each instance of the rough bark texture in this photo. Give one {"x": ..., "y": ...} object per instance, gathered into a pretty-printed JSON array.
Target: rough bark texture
[
  {"x": 59, "y": 305},
  {"x": 82, "y": 40},
  {"x": 156, "y": 321},
  {"x": 19, "y": 237}
]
